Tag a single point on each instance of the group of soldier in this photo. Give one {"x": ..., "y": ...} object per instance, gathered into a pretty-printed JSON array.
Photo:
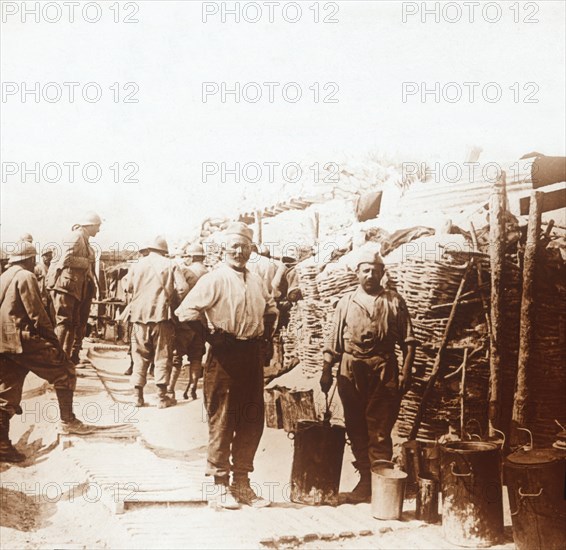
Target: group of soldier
[{"x": 230, "y": 314}]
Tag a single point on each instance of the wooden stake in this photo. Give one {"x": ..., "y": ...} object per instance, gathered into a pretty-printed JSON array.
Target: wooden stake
[
  {"x": 520, "y": 412},
  {"x": 316, "y": 226},
  {"x": 259, "y": 225},
  {"x": 463, "y": 396},
  {"x": 497, "y": 240}
]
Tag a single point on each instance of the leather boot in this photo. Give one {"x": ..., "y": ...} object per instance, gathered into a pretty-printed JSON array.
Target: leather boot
[
  {"x": 175, "y": 373},
  {"x": 70, "y": 424},
  {"x": 244, "y": 494},
  {"x": 164, "y": 400},
  {"x": 362, "y": 491},
  {"x": 8, "y": 453},
  {"x": 139, "y": 397}
]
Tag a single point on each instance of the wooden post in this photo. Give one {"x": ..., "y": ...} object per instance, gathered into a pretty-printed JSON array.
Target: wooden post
[
  {"x": 259, "y": 225},
  {"x": 463, "y": 396},
  {"x": 520, "y": 411},
  {"x": 497, "y": 240},
  {"x": 316, "y": 226}
]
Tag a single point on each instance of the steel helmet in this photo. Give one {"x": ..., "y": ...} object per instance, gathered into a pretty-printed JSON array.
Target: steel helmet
[
  {"x": 23, "y": 251},
  {"x": 159, "y": 244},
  {"x": 195, "y": 249},
  {"x": 90, "y": 218}
]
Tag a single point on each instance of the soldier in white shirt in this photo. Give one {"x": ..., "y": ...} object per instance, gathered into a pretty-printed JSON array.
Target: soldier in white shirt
[{"x": 241, "y": 315}]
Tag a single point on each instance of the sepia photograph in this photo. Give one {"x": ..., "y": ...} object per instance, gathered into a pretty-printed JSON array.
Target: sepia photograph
[{"x": 282, "y": 275}]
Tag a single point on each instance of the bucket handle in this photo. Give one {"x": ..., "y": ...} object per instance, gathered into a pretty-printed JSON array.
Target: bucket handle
[
  {"x": 527, "y": 447},
  {"x": 456, "y": 474},
  {"x": 523, "y": 495},
  {"x": 503, "y": 434},
  {"x": 476, "y": 422}
]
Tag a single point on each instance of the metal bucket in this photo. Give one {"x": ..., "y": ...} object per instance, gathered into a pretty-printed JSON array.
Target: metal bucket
[
  {"x": 421, "y": 457},
  {"x": 536, "y": 487},
  {"x": 472, "y": 501},
  {"x": 317, "y": 462},
  {"x": 387, "y": 490},
  {"x": 427, "y": 499}
]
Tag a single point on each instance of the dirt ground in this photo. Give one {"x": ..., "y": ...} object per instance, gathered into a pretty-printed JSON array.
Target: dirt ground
[{"x": 63, "y": 495}]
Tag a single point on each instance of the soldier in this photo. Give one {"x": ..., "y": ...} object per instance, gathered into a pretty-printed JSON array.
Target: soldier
[
  {"x": 41, "y": 270},
  {"x": 242, "y": 315},
  {"x": 29, "y": 344},
  {"x": 368, "y": 323},
  {"x": 71, "y": 280},
  {"x": 154, "y": 284},
  {"x": 187, "y": 341}
]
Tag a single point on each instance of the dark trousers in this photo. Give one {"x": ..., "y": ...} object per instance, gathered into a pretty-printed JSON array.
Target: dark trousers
[
  {"x": 40, "y": 357},
  {"x": 82, "y": 323},
  {"x": 369, "y": 392},
  {"x": 233, "y": 393},
  {"x": 189, "y": 343},
  {"x": 68, "y": 318}
]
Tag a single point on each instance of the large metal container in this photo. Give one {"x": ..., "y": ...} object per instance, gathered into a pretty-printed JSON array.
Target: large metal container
[
  {"x": 536, "y": 484},
  {"x": 472, "y": 500},
  {"x": 421, "y": 457},
  {"x": 317, "y": 462}
]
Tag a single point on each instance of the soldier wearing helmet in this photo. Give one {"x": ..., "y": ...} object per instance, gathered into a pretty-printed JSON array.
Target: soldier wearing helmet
[
  {"x": 155, "y": 285},
  {"x": 72, "y": 282},
  {"x": 29, "y": 344},
  {"x": 187, "y": 341}
]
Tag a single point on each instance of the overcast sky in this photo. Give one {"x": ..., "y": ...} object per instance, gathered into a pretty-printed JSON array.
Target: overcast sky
[{"x": 369, "y": 53}]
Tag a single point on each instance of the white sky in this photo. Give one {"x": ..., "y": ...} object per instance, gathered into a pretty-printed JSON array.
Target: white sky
[{"x": 170, "y": 132}]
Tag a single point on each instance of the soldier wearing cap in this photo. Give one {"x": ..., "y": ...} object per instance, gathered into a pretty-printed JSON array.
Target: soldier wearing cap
[
  {"x": 154, "y": 284},
  {"x": 29, "y": 344},
  {"x": 72, "y": 282},
  {"x": 187, "y": 341},
  {"x": 368, "y": 323},
  {"x": 241, "y": 315}
]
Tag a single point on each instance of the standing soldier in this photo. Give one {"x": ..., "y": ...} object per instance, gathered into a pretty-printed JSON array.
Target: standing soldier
[
  {"x": 187, "y": 341},
  {"x": 368, "y": 323},
  {"x": 71, "y": 280},
  {"x": 154, "y": 284},
  {"x": 41, "y": 270},
  {"x": 29, "y": 344},
  {"x": 242, "y": 316}
]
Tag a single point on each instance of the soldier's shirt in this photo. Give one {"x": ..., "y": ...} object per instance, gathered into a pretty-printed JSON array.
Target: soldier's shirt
[
  {"x": 232, "y": 301},
  {"x": 369, "y": 326},
  {"x": 154, "y": 283}
]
